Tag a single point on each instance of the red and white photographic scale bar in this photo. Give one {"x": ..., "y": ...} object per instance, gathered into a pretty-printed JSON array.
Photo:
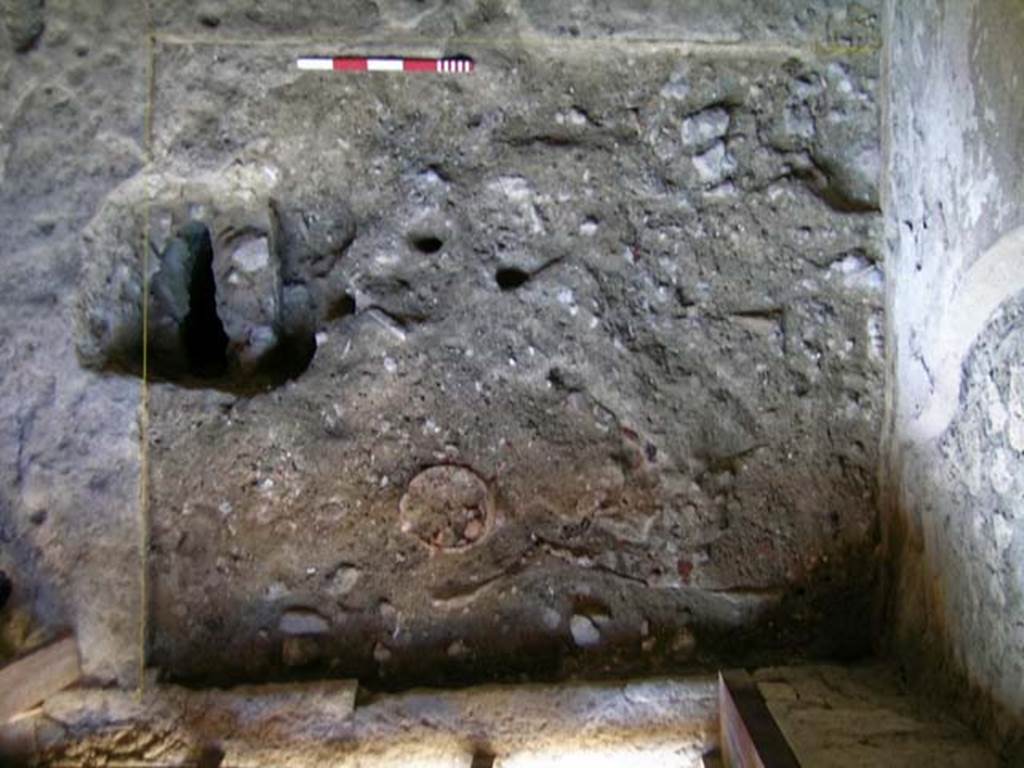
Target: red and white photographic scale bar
[{"x": 366, "y": 64}]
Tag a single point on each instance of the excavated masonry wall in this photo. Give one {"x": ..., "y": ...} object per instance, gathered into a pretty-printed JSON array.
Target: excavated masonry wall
[{"x": 570, "y": 366}]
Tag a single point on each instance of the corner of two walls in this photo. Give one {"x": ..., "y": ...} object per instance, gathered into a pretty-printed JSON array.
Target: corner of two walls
[{"x": 952, "y": 603}]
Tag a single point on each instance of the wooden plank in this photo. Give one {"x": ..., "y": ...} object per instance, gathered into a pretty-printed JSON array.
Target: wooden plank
[
  {"x": 30, "y": 680},
  {"x": 750, "y": 736}
]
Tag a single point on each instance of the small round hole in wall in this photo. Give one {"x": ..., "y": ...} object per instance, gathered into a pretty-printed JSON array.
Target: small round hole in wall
[
  {"x": 510, "y": 278},
  {"x": 427, "y": 243},
  {"x": 343, "y": 306}
]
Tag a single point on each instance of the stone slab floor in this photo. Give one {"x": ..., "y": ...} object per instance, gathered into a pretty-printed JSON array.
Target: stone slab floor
[
  {"x": 571, "y": 366},
  {"x": 834, "y": 717}
]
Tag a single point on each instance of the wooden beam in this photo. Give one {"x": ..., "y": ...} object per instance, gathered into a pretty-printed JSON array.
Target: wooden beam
[
  {"x": 33, "y": 678},
  {"x": 750, "y": 736}
]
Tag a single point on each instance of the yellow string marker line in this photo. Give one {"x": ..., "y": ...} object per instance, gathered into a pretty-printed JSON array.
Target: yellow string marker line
[
  {"x": 144, "y": 521},
  {"x": 772, "y": 49}
]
